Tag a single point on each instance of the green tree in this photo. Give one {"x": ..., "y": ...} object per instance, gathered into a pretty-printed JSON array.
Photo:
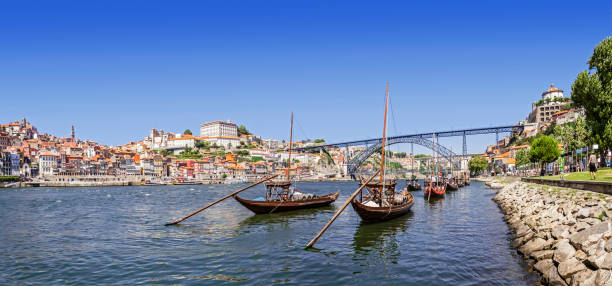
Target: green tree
[
  {"x": 187, "y": 132},
  {"x": 522, "y": 157},
  {"x": 593, "y": 92},
  {"x": 242, "y": 130},
  {"x": 478, "y": 164},
  {"x": 544, "y": 150},
  {"x": 572, "y": 135},
  {"x": 320, "y": 140}
]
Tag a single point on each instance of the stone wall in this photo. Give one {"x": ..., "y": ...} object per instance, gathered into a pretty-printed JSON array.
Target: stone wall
[
  {"x": 564, "y": 233},
  {"x": 594, "y": 186}
]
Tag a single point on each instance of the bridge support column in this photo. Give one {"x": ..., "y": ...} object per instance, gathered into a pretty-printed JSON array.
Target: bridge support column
[{"x": 464, "y": 144}]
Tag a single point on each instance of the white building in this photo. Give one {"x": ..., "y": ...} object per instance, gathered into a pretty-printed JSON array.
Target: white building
[
  {"x": 47, "y": 163},
  {"x": 224, "y": 141},
  {"x": 552, "y": 93},
  {"x": 219, "y": 129},
  {"x": 181, "y": 142}
]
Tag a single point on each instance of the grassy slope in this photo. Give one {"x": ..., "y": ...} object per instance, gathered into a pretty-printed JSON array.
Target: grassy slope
[{"x": 602, "y": 175}]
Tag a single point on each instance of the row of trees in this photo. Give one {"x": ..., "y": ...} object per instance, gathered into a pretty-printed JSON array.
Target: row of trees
[
  {"x": 544, "y": 150},
  {"x": 593, "y": 92}
]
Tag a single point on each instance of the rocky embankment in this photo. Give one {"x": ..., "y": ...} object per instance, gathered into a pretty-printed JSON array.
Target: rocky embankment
[{"x": 564, "y": 233}]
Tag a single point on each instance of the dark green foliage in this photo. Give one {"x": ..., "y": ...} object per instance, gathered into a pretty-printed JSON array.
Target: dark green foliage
[
  {"x": 242, "y": 130},
  {"x": 9, "y": 179},
  {"x": 593, "y": 92},
  {"x": 544, "y": 150},
  {"x": 478, "y": 164}
]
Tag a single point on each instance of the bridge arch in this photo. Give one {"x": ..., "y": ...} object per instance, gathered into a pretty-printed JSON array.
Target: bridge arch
[{"x": 356, "y": 161}]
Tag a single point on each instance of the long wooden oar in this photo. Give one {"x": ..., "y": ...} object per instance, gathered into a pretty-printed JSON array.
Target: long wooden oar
[
  {"x": 312, "y": 242},
  {"x": 223, "y": 198}
]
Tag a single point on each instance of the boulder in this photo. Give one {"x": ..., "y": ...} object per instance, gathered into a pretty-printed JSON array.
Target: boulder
[
  {"x": 534, "y": 245},
  {"x": 543, "y": 265},
  {"x": 603, "y": 277},
  {"x": 584, "y": 212},
  {"x": 564, "y": 251},
  {"x": 580, "y": 255},
  {"x": 602, "y": 261},
  {"x": 542, "y": 254},
  {"x": 587, "y": 237},
  {"x": 570, "y": 266},
  {"x": 608, "y": 245},
  {"x": 560, "y": 231},
  {"x": 584, "y": 278}
]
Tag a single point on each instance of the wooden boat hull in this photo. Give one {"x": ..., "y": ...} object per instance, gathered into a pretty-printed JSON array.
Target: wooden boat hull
[
  {"x": 267, "y": 207},
  {"x": 413, "y": 187},
  {"x": 435, "y": 192},
  {"x": 377, "y": 214},
  {"x": 452, "y": 186}
]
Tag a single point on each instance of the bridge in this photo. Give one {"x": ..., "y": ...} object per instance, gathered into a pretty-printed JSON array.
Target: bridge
[{"x": 374, "y": 144}]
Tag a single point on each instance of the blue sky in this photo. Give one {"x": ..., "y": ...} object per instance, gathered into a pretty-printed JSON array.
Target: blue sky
[{"x": 115, "y": 69}]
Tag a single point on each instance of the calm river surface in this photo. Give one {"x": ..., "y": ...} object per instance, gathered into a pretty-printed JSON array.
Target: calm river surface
[{"x": 115, "y": 235}]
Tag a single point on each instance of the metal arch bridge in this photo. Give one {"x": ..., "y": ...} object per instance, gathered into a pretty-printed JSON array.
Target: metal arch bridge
[
  {"x": 419, "y": 139},
  {"x": 438, "y": 134},
  {"x": 356, "y": 161}
]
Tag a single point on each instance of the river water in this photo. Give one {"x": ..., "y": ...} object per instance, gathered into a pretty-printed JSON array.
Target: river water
[{"x": 115, "y": 235}]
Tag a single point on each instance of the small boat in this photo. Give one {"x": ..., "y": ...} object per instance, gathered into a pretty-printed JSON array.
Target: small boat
[
  {"x": 375, "y": 208},
  {"x": 460, "y": 182},
  {"x": 413, "y": 186},
  {"x": 451, "y": 184},
  {"x": 435, "y": 189},
  {"x": 375, "y": 201},
  {"x": 281, "y": 197},
  {"x": 276, "y": 206},
  {"x": 437, "y": 185},
  {"x": 381, "y": 202}
]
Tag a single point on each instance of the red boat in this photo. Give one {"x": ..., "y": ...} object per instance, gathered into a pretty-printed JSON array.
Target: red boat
[{"x": 436, "y": 188}]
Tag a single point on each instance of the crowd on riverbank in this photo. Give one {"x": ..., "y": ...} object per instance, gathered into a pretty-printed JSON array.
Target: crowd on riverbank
[{"x": 564, "y": 233}]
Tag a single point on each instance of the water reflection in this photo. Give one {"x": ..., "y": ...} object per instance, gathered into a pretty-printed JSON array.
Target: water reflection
[
  {"x": 381, "y": 237},
  {"x": 285, "y": 217}
]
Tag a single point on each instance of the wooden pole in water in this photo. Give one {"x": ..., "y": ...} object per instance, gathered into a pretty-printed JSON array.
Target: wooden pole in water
[
  {"x": 223, "y": 198},
  {"x": 314, "y": 240}
]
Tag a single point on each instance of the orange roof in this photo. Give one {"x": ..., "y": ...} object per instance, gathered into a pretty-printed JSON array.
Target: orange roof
[
  {"x": 184, "y": 137},
  {"x": 551, "y": 89}
]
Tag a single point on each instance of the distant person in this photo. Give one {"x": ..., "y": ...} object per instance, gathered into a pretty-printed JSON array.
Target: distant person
[{"x": 593, "y": 165}]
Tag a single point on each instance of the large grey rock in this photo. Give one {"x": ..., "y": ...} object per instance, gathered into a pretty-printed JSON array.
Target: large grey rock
[
  {"x": 585, "y": 238},
  {"x": 560, "y": 231},
  {"x": 602, "y": 261},
  {"x": 584, "y": 212},
  {"x": 543, "y": 265},
  {"x": 584, "y": 278},
  {"x": 534, "y": 245},
  {"x": 608, "y": 245},
  {"x": 522, "y": 230},
  {"x": 542, "y": 254},
  {"x": 603, "y": 277},
  {"x": 570, "y": 266},
  {"x": 581, "y": 225},
  {"x": 552, "y": 277},
  {"x": 564, "y": 251},
  {"x": 580, "y": 255}
]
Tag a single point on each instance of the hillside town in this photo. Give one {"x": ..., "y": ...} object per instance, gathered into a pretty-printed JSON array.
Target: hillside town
[
  {"x": 551, "y": 115},
  {"x": 222, "y": 153},
  {"x": 227, "y": 153}
]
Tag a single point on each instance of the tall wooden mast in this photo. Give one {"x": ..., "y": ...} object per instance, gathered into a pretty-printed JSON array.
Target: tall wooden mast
[
  {"x": 382, "y": 160},
  {"x": 290, "y": 145}
]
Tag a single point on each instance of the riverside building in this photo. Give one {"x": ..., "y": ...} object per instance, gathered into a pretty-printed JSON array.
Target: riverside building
[{"x": 552, "y": 102}]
